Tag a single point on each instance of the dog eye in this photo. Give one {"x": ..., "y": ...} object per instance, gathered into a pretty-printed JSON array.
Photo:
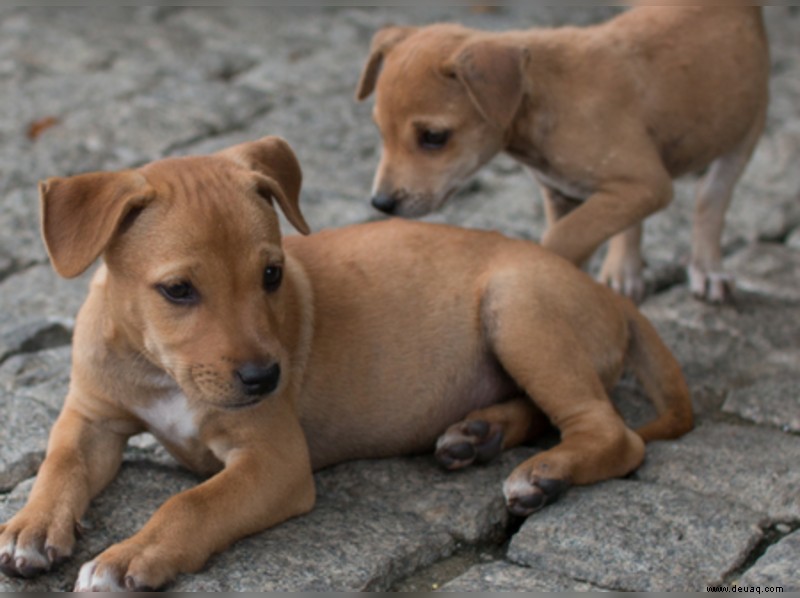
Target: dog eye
[
  {"x": 272, "y": 277},
  {"x": 433, "y": 139},
  {"x": 181, "y": 293}
]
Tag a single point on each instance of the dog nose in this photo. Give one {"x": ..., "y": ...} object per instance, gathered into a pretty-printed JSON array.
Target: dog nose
[
  {"x": 384, "y": 202},
  {"x": 258, "y": 379}
]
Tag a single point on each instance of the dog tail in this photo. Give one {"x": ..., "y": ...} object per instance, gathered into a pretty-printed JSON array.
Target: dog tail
[{"x": 660, "y": 375}]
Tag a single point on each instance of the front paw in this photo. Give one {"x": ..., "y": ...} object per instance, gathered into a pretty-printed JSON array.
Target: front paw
[
  {"x": 32, "y": 543},
  {"x": 126, "y": 567},
  {"x": 625, "y": 278}
]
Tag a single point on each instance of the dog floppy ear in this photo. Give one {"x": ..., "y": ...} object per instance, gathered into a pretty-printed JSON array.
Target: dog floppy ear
[
  {"x": 279, "y": 174},
  {"x": 492, "y": 73},
  {"x": 80, "y": 214},
  {"x": 382, "y": 42}
]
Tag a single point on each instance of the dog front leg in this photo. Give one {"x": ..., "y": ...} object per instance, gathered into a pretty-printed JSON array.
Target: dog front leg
[
  {"x": 556, "y": 204},
  {"x": 261, "y": 485},
  {"x": 82, "y": 458},
  {"x": 607, "y": 212},
  {"x": 623, "y": 264}
]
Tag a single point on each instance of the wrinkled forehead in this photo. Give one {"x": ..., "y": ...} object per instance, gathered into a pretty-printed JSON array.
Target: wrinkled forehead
[
  {"x": 205, "y": 202},
  {"x": 414, "y": 77},
  {"x": 196, "y": 179}
]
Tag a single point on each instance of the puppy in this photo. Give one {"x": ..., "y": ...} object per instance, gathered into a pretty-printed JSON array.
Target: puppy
[
  {"x": 257, "y": 360},
  {"x": 604, "y": 117}
]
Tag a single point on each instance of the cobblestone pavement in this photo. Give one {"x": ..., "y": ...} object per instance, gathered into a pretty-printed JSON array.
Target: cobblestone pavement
[{"x": 89, "y": 89}]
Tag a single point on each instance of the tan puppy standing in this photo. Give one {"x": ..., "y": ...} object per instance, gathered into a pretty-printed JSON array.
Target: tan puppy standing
[
  {"x": 257, "y": 360},
  {"x": 604, "y": 116}
]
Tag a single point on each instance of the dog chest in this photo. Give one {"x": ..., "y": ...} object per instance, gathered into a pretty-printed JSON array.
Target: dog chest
[{"x": 169, "y": 418}]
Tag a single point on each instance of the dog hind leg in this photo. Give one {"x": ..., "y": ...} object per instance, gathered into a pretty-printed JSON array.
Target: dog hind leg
[
  {"x": 545, "y": 357},
  {"x": 707, "y": 280},
  {"x": 485, "y": 433}
]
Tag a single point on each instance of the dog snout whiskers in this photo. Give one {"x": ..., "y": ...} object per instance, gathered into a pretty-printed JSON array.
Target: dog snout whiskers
[{"x": 258, "y": 379}]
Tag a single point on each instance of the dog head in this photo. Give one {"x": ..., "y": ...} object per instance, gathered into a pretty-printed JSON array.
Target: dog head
[
  {"x": 446, "y": 97},
  {"x": 194, "y": 262}
]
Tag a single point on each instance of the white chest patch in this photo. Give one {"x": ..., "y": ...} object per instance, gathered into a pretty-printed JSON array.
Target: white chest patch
[{"x": 170, "y": 418}]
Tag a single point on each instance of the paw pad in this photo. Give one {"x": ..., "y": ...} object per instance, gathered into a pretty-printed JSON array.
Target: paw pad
[
  {"x": 523, "y": 499},
  {"x": 472, "y": 441}
]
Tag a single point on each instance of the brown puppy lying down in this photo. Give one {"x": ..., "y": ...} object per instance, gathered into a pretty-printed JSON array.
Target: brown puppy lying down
[
  {"x": 604, "y": 117},
  {"x": 257, "y": 360}
]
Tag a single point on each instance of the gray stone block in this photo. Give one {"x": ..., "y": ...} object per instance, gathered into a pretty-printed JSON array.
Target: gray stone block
[
  {"x": 505, "y": 577},
  {"x": 468, "y": 504},
  {"x": 23, "y": 438},
  {"x": 725, "y": 347},
  {"x": 43, "y": 376},
  {"x": 751, "y": 466},
  {"x": 33, "y": 334},
  {"x": 777, "y": 567},
  {"x": 20, "y": 213},
  {"x": 338, "y": 547},
  {"x": 793, "y": 240},
  {"x": 633, "y": 536},
  {"x": 38, "y": 293},
  {"x": 773, "y": 400},
  {"x": 767, "y": 269},
  {"x": 32, "y": 389}
]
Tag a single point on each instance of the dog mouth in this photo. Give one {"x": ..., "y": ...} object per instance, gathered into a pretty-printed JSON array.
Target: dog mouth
[
  {"x": 240, "y": 405},
  {"x": 418, "y": 205}
]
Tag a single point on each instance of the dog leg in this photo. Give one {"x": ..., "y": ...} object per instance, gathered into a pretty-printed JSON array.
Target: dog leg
[
  {"x": 545, "y": 357},
  {"x": 611, "y": 210},
  {"x": 82, "y": 458},
  {"x": 623, "y": 264},
  {"x": 485, "y": 433},
  {"x": 261, "y": 485},
  {"x": 707, "y": 280},
  {"x": 556, "y": 204}
]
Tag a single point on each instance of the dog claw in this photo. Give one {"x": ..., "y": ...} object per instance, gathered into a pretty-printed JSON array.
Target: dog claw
[
  {"x": 5, "y": 565},
  {"x": 525, "y": 505},
  {"x": 714, "y": 287},
  {"x": 452, "y": 455},
  {"x": 132, "y": 586},
  {"x": 28, "y": 570}
]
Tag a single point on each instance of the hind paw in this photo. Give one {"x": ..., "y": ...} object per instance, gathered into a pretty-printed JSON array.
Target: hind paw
[
  {"x": 468, "y": 442},
  {"x": 714, "y": 287},
  {"x": 526, "y": 497}
]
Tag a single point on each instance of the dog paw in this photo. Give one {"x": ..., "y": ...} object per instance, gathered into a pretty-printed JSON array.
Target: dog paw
[
  {"x": 32, "y": 545},
  {"x": 714, "y": 287},
  {"x": 467, "y": 442},
  {"x": 125, "y": 567},
  {"x": 626, "y": 280},
  {"x": 525, "y": 497}
]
